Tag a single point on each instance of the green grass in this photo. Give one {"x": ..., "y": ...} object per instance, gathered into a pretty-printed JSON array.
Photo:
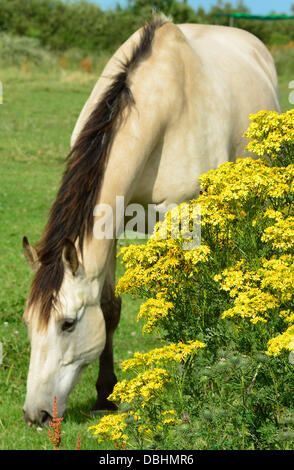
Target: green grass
[
  {"x": 37, "y": 118},
  {"x": 284, "y": 60}
]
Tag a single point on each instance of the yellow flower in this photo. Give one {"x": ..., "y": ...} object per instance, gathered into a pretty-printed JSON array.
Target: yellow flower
[
  {"x": 178, "y": 352},
  {"x": 287, "y": 315},
  {"x": 268, "y": 131},
  {"x": 146, "y": 385},
  {"x": 153, "y": 310},
  {"x": 282, "y": 341},
  {"x": 143, "y": 429},
  {"x": 281, "y": 234},
  {"x": 169, "y": 417},
  {"x": 110, "y": 427}
]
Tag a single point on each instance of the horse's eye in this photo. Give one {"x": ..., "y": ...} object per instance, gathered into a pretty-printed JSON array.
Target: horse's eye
[{"x": 68, "y": 325}]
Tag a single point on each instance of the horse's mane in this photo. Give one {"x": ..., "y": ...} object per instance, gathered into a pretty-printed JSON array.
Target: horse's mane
[{"x": 71, "y": 215}]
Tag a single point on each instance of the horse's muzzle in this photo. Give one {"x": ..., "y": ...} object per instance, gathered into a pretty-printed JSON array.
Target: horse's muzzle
[{"x": 42, "y": 417}]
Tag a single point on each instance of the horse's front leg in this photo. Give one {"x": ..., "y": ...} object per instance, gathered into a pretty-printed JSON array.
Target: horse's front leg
[{"x": 111, "y": 308}]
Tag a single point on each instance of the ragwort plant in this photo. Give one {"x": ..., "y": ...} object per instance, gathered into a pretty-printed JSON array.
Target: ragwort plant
[{"x": 225, "y": 378}]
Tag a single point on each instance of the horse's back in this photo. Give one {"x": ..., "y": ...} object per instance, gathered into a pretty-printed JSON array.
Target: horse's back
[
  {"x": 240, "y": 73},
  {"x": 221, "y": 42},
  {"x": 228, "y": 57},
  {"x": 239, "y": 58},
  {"x": 198, "y": 86}
]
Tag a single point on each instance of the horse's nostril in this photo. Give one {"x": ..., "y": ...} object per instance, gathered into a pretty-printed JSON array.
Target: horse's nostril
[{"x": 45, "y": 417}]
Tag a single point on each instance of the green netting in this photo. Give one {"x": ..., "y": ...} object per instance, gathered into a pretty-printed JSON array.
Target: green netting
[{"x": 248, "y": 16}]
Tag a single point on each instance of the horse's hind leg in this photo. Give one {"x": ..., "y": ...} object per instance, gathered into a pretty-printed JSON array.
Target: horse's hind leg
[{"x": 111, "y": 307}]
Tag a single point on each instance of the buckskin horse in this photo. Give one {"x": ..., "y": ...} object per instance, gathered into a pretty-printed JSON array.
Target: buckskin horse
[{"x": 172, "y": 103}]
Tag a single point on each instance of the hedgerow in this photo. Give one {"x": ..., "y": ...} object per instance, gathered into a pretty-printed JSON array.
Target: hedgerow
[{"x": 63, "y": 25}]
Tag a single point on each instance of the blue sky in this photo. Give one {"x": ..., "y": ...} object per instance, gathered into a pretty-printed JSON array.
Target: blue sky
[{"x": 258, "y": 7}]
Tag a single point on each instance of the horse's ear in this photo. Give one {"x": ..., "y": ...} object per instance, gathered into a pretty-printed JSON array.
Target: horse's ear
[
  {"x": 70, "y": 256},
  {"x": 30, "y": 254}
]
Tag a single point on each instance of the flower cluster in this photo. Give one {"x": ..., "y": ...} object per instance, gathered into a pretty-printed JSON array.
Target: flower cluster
[
  {"x": 282, "y": 341},
  {"x": 247, "y": 192},
  {"x": 169, "y": 417},
  {"x": 241, "y": 276},
  {"x": 110, "y": 427},
  {"x": 179, "y": 352},
  {"x": 154, "y": 310},
  {"x": 159, "y": 265},
  {"x": 281, "y": 234},
  {"x": 145, "y": 386},
  {"x": 261, "y": 295},
  {"x": 136, "y": 394},
  {"x": 114, "y": 427},
  {"x": 269, "y": 131}
]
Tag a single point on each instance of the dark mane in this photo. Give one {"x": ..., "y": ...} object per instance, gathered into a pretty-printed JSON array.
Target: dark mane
[{"x": 71, "y": 216}]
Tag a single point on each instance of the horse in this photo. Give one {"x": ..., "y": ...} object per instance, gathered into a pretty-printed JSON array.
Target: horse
[{"x": 171, "y": 103}]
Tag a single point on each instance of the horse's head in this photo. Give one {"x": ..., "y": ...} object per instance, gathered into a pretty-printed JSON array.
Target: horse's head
[{"x": 72, "y": 336}]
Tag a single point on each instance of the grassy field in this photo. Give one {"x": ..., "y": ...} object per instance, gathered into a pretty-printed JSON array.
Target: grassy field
[
  {"x": 37, "y": 119},
  {"x": 38, "y": 115}
]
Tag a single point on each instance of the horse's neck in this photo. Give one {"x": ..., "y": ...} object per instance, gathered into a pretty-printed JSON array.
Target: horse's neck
[
  {"x": 141, "y": 128},
  {"x": 96, "y": 253}
]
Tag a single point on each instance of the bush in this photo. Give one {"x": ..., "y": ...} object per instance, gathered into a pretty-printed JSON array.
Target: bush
[
  {"x": 223, "y": 380},
  {"x": 284, "y": 61},
  {"x": 62, "y": 26},
  {"x": 279, "y": 39},
  {"x": 13, "y": 49}
]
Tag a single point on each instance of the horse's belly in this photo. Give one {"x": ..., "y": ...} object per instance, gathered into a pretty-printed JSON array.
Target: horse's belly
[{"x": 171, "y": 176}]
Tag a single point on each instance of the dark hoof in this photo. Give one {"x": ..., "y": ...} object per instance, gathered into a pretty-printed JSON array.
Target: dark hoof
[{"x": 104, "y": 405}]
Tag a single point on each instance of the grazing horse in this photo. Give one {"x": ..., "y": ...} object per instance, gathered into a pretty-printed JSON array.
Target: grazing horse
[{"x": 172, "y": 103}]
